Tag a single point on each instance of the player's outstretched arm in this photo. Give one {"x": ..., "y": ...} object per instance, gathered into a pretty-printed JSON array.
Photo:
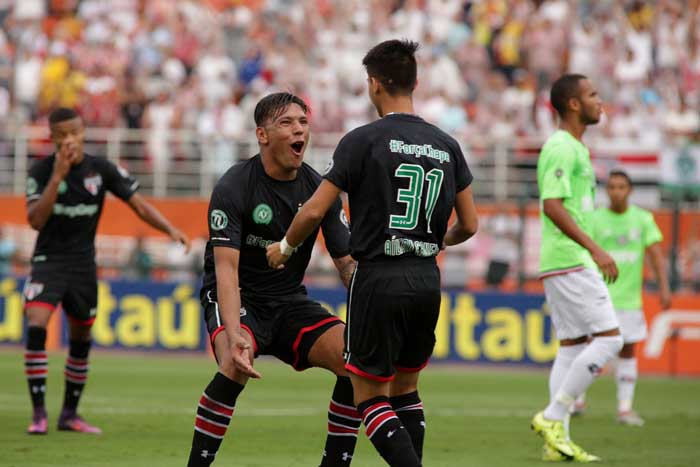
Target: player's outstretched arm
[
  {"x": 39, "y": 211},
  {"x": 555, "y": 210},
  {"x": 229, "y": 300},
  {"x": 154, "y": 218},
  {"x": 658, "y": 264},
  {"x": 467, "y": 219},
  {"x": 307, "y": 219},
  {"x": 346, "y": 267}
]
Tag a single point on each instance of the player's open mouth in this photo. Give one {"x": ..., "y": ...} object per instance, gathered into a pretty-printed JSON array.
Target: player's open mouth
[{"x": 297, "y": 147}]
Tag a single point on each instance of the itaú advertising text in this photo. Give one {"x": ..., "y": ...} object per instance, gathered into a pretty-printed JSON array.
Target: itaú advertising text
[{"x": 481, "y": 327}]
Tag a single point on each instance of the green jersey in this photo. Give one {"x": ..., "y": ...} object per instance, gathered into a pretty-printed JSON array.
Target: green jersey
[
  {"x": 625, "y": 237},
  {"x": 564, "y": 171}
]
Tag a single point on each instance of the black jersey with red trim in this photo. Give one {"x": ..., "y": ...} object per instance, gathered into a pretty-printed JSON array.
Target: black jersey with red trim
[
  {"x": 401, "y": 175},
  {"x": 250, "y": 210},
  {"x": 69, "y": 233}
]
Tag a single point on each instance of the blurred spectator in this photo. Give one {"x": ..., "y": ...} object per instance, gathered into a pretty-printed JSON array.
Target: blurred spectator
[
  {"x": 503, "y": 229},
  {"x": 115, "y": 58},
  {"x": 140, "y": 263},
  {"x": 160, "y": 117},
  {"x": 8, "y": 252}
]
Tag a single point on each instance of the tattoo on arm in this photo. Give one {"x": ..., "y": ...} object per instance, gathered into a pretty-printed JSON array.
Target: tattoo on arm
[{"x": 346, "y": 267}]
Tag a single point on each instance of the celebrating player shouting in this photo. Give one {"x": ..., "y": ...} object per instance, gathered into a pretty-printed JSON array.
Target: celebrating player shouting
[{"x": 253, "y": 310}]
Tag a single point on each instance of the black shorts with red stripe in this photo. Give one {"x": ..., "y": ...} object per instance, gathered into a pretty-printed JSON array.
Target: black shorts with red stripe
[
  {"x": 286, "y": 327},
  {"x": 72, "y": 284},
  {"x": 393, "y": 307}
]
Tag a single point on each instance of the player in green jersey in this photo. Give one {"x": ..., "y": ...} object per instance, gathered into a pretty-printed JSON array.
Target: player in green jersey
[
  {"x": 569, "y": 261},
  {"x": 627, "y": 233}
]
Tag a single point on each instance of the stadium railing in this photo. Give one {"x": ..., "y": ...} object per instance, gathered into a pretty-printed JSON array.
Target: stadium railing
[{"x": 183, "y": 163}]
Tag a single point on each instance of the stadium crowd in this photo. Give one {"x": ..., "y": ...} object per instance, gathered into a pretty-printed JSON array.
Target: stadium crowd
[{"x": 486, "y": 64}]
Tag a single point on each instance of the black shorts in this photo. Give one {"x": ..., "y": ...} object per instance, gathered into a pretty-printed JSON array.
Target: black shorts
[
  {"x": 286, "y": 327},
  {"x": 73, "y": 285},
  {"x": 393, "y": 307}
]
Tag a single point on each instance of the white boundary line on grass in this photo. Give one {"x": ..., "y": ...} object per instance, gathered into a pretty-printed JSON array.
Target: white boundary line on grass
[{"x": 308, "y": 412}]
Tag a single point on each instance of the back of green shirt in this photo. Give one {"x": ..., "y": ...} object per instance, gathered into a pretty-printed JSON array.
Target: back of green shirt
[
  {"x": 564, "y": 171},
  {"x": 626, "y": 237}
]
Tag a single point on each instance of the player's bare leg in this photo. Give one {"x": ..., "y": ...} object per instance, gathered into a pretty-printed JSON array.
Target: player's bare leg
[
  {"x": 382, "y": 425},
  {"x": 76, "y": 371},
  {"x": 343, "y": 419},
  {"x": 217, "y": 404},
  {"x": 409, "y": 407},
  {"x": 626, "y": 378},
  {"x": 36, "y": 365}
]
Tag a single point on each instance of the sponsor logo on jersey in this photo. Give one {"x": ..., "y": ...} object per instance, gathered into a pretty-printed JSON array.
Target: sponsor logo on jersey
[
  {"x": 262, "y": 214},
  {"x": 75, "y": 210},
  {"x": 32, "y": 186},
  {"x": 418, "y": 150},
  {"x": 93, "y": 184},
  {"x": 218, "y": 220},
  {"x": 400, "y": 246},
  {"x": 32, "y": 290}
]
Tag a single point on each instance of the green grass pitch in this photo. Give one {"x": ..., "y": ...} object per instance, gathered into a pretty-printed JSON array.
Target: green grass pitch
[{"x": 475, "y": 417}]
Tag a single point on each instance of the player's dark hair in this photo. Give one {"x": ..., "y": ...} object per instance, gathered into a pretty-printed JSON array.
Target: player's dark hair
[
  {"x": 393, "y": 63},
  {"x": 273, "y": 105},
  {"x": 62, "y": 114},
  {"x": 563, "y": 89},
  {"x": 620, "y": 173}
]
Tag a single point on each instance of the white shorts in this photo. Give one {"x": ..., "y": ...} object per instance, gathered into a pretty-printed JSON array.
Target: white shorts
[
  {"x": 580, "y": 304},
  {"x": 633, "y": 326}
]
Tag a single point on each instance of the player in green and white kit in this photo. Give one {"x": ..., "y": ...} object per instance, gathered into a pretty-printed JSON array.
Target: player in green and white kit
[
  {"x": 569, "y": 262},
  {"x": 627, "y": 232}
]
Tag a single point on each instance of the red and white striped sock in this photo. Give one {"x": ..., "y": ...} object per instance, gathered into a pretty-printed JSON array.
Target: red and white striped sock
[
  {"x": 214, "y": 412},
  {"x": 387, "y": 434},
  {"x": 76, "y": 373},
  {"x": 343, "y": 425}
]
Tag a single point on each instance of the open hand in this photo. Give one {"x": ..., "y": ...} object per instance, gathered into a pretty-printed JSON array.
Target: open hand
[
  {"x": 606, "y": 264},
  {"x": 180, "y": 237},
  {"x": 240, "y": 353}
]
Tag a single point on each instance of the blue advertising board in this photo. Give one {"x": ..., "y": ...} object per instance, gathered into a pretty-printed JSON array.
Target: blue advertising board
[{"x": 487, "y": 327}]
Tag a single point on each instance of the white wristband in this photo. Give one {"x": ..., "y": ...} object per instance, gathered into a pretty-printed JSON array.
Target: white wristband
[{"x": 285, "y": 248}]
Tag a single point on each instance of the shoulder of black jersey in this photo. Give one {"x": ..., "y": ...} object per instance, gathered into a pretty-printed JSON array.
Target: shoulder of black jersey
[
  {"x": 364, "y": 130},
  {"x": 46, "y": 162},
  {"x": 310, "y": 172},
  {"x": 237, "y": 174}
]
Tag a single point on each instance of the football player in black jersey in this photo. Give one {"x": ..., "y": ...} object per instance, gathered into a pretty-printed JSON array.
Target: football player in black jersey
[
  {"x": 403, "y": 177},
  {"x": 251, "y": 309},
  {"x": 65, "y": 194}
]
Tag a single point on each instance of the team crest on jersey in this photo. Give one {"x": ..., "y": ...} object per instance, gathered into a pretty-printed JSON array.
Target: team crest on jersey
[
  {"x": 218, "y": 220},
  {"x": 93, "y": 184},
  {"x": 262, "y": 214},
  {"x": 62, "y": 187},
  {"x": 558, "y": 173},
  {"x": 32, "y": 290}
]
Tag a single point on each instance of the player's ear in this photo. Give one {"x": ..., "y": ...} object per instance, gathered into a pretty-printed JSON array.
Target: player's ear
[
  {"x": 261, "y": 134},
  {"x": 574, "y": 104}
]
